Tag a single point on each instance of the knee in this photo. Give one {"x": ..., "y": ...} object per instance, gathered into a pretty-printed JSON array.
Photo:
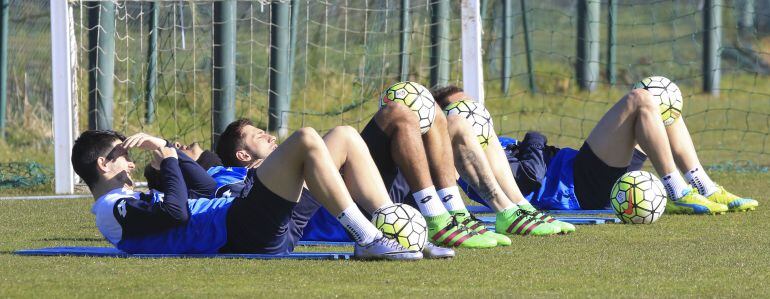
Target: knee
[
  {"x": 308, "y": 138},
  {"x": 395, "y": 117},
  {"x": 641, "y": 100},
  {"x": 441, "y": 120},
  {"x": 343, "y": 133},
  {"x": 346, "y": 131}
]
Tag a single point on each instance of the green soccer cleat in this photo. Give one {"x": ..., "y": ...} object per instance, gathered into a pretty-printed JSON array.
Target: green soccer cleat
[
  {"x": 733, "y": 202},
  {"x": 516, "y": 221},
  {"x": 694, "y": 203},
  {"x": 564, "y": 226},
  {"x": 445, "y": 230},
  {"x": 468, "y": 220}
]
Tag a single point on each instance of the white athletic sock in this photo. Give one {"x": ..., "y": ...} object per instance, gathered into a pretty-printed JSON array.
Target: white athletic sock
[
  {"x": 699, "y": 179},
  {"x": 361, "y": 229},
  {"x": 428, "y": 202},
  {"x": 675, "y": 185},
  {"x": 451, "y": 198}
]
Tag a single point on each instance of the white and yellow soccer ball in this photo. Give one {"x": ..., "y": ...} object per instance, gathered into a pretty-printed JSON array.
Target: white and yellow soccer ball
[
  {"x": 416, "y": 97},
  {"x": 476, "y": 115},
  {"x": 404, "y": 224},
  {"x": 667, "y": 94},
  {"x": 638, "y": 197}
]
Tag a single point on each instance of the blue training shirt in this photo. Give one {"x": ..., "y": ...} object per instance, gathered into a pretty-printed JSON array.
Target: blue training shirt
[
  {"x": 546, "y": 179},
  {"x": 166, "y": 222}
]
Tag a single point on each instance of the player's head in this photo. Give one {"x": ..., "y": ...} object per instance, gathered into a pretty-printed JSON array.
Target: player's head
[
  {"x": 243, "y": 143},
  {"x": 97, "y": 157},
  {"x": 447, "y": 94}
]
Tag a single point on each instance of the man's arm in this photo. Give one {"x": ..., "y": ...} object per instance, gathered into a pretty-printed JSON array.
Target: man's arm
[
  {"x": 199, "y": 182},
  {"x": 154, "y": 212}
]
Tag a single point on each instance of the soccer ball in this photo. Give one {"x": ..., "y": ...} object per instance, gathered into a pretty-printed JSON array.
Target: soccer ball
[
  {"x": 404, "y": 224},
  {"x": 476, "y": 115},
  {"x": 416, "y": 97},
  {"x": 667, "y": 94},
  {"x": 638, "y": 197}
]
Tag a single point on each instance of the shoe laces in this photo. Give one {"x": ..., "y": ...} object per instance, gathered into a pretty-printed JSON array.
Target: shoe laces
[
  {"x": 388, "y": 242},
  {"x": 454, "y": 222}
]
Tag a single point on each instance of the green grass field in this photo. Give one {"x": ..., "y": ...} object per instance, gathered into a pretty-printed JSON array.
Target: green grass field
[
  {"x": 693, "y": 256},
  {"x": 338, "y": 76}
]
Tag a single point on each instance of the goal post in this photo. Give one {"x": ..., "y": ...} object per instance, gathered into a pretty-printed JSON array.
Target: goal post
[
  {"x": 64, "y": 92},
  {"x": 473, "y": 72}
]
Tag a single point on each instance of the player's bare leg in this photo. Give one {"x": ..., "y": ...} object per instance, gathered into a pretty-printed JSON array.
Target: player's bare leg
[
  {"x": 351, "y": 156},
  {"x": 475, "y": 168},
  {"x": 636, "y": 119},
  {"x": 303, "y": 157},
  {"x": 409, "y": 153},
  {"x": 687, "y": 160},
  {"x": 502, "y": 171}
]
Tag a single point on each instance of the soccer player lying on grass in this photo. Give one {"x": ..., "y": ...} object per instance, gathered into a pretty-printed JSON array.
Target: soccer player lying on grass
[
  {"x": 487, "y": 172},
  {"x": 412, "y": 165},
  {"x": 243, "y": 146},
  {"x": 583, "y": 179},
  {"x": 260, "y": 222}
]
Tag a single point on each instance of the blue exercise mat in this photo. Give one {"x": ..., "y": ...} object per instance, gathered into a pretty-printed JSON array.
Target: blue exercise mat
[
  {"x": 325, "y": 243},
  {"x": 574, "y": 220},
  {"x": 113, "y": 252},
  {"x": 483, "y": 209}
]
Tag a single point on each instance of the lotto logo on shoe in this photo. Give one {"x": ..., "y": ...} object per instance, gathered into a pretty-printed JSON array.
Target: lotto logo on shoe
[
  {"x": 426, "y": 199},
  {"x": 447, "y": 198}
]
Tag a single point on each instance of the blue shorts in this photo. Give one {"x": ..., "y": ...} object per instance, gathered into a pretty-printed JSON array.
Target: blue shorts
[
  {"x": 379, "y": 147},
  {"x": 263, "y": 222}
]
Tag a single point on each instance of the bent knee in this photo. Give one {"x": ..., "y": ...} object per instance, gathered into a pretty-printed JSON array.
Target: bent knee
[
  {"x": 308, "y": 136},
  {"x": 396, "y": 116},
  {"x": 641, "y": 98}
]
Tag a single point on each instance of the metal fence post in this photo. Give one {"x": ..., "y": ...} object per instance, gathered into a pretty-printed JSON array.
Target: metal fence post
[
  {"x": 712, "y": 42},
  {"x": 528, "y": 48},
  {"x": 439, "y": 42},
  {"x": 588, "y": 43},
  {"x": 280, "y": 38},
  {"x": 152, "y": 63},
  {"x": 223, "y": 89},
  {"x": 101, "y": 64},
  {"x": 612, "y": 16},
  {"x": 405, "y": 32}
]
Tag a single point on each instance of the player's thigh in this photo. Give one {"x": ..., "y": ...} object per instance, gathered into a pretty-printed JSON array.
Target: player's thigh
[
  {"x": 283, "y": 170},
  {"x": 612, "y": 140}
]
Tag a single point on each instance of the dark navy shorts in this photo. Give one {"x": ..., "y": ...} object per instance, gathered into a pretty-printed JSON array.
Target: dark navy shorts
[
  {"x": 594, "y": 179},
  {"x": 379, "y": 147},
  {"x": 263, "y": 222}
]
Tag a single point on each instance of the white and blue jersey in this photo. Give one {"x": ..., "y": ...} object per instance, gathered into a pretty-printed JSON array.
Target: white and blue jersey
[
  {"x": 136, "y": 222},
  {"x": 166, "y": 221}
]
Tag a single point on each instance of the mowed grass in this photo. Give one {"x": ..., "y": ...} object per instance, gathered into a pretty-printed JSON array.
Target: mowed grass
[{"x": 698, "y": 256}]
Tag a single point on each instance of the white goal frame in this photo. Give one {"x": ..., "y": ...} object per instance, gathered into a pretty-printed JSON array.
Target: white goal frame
[{"x": 65, "y": 89}]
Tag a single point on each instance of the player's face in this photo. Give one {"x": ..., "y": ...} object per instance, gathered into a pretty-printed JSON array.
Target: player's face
[
  {"x": 257, "y": 142},
  {"x": 458, "y": 96},
  {"x": 119, "y": 164}
]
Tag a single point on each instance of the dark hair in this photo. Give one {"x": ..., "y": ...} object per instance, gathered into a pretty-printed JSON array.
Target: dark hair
[
  {"x": 442, "y": 94},
  {"x": 89, "y": 146},
  {"x": 231, "y": 141}
]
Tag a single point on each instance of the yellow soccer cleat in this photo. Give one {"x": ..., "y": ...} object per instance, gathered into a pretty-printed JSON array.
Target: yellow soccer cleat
[
  {"x": 694, "y": 203},
  {"x": 733, "y": 202}
]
